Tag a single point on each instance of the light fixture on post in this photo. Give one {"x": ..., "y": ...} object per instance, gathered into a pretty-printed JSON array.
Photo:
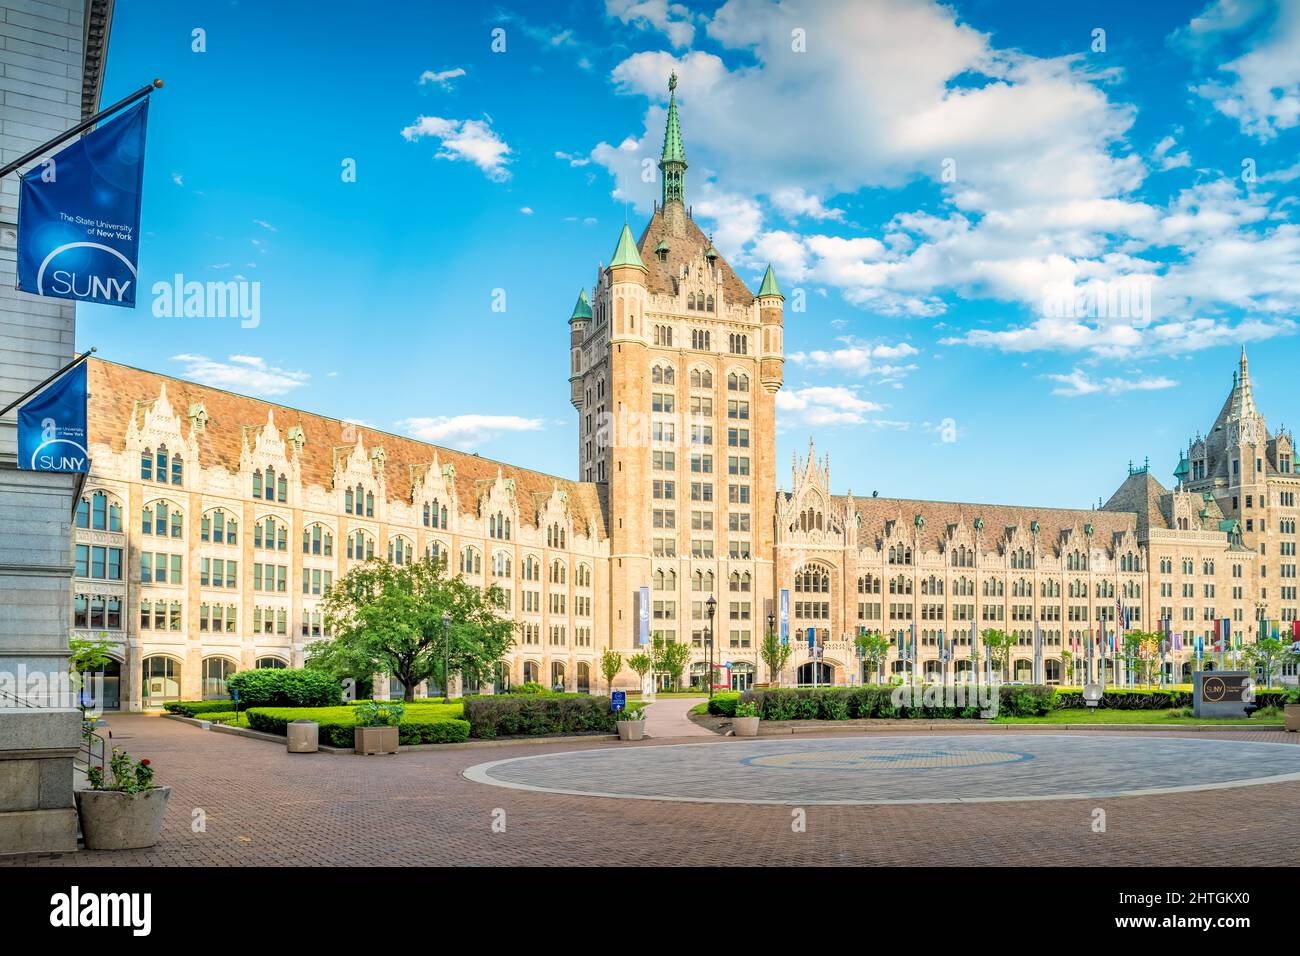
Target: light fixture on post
[
  {"x": 446, "y": 657},
  {"x": 712, "y": 606}
]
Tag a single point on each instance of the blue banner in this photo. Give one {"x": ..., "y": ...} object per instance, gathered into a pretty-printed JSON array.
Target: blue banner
[
  {"x": 785, "y": 616},
  {"x": 812, "y": 638},
  {"x": 643, "y": 615},
  {"x": 79, "y": 216},
  {"x": 52, "y": 427}
]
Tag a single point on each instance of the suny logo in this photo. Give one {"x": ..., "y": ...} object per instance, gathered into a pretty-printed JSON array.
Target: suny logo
[
  {"x": 86, "y": 274},
  {"x": 45, "y": 458},
  {"x": 76, "y": 909}
]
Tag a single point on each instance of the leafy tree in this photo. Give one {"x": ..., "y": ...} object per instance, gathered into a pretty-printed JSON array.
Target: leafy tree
[
  {"x": 998, "y": 644},
  {"x": 1268, "y": 655},
  {"x": 1143, "y": 649},
  {"x": 1067, "y": 666},
  {"x": 611, "y": 662},
  {"x": 671, "y": 658},
  {"x": 874, "y": 651},
  {"x": 88, "y": 655},
  {"x": 776, "y": 655},
  {"x": 387, "y": 619},
  {"x": 641, "y": 663}
]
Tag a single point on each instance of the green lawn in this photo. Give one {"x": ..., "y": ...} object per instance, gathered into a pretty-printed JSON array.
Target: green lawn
[{"x": 1112, "y": 716}]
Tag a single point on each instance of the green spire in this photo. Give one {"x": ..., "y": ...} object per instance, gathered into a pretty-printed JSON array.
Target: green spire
[
  {"x": 582, "y": 309},
  {"x": 672, "y": 163},
  {"x": 625, "y": 253},
  {"x": 769, "y": 286}
]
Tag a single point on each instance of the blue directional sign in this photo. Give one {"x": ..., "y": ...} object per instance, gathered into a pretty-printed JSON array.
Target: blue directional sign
[{"x": 618, "y": 701}]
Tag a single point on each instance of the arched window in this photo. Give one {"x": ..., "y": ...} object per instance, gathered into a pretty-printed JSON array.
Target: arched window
[
  {"x": 270, "y": 663},
  {"x": 98, "y": 512},
  {"x": 400, "y": 550},
  {"x": 318, "y": 540},
  {"x": 146, "y": 465},
  {"x": 160, "y": 464},
  {"x": 471, "y": 562},
  {"x": 501, "y": 565},
  {"x": 361, "y": 546}
]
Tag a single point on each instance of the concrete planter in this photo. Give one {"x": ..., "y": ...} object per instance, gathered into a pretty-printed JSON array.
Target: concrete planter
[
  {"x": 745, "y": 726},
  {"x": 112, "y": 820},
  {"x": 631, "y": 729},
  {"x": 302, "y": 736},
  {"x": 1292, "y": 717},
  {"x": 375, "y": 740}
]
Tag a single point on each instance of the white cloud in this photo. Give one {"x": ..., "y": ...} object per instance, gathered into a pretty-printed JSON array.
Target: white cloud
[
  {"x": 796, "y": 202},
  {"x": 572, "y": 159},
  {"x": 1078, "y": 383},
  {"x": 178, "y": 179},
  {"x": 466, "y": 430},
  {"x": 820, "y": 405},
  {"x": 526, "y": 210},
  {"x": 859, "y": 358},
  {"x": 471, "y": 140},
  {"x": 441, "y": 78},
  {"x": 1261, "y": 88},
  {"x": 248, "y": 374},
  {"x": 265, "y": 225},
  {"x": 672, "y": 19},
  {"x": 1167, "y": 158}
]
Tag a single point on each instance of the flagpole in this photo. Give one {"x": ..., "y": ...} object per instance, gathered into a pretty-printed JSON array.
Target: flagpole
[
  {"x": 79, "y": 128},
  {"x": 36, "y": 388}
]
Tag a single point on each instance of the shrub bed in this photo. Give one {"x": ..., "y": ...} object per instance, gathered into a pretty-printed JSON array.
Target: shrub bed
[
  {"x": 421, "y": 724},
  {"x": 285, "y": 687},
  {"x": 1117, "y": 698},
  {"x": 723, "y": 704},
  {"x": 194, "y": 708},
  {"x": 533, "y": 715},
  {"x": 874, "y": 701}
]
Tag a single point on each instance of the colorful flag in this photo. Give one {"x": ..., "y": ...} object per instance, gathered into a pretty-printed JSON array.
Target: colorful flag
[
  {"x": 52, "y": 426},
  {"x": 79, "y": 216}
]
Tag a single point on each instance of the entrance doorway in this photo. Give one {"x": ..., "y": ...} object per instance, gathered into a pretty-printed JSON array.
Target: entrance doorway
[{"x": 824, "y": 674}]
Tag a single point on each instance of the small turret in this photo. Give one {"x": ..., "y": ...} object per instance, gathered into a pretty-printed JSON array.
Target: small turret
[
  {"x": 627, "y": 288},
  {"x": 772, "y": 353},
  {"x": 579, "y": 322}
]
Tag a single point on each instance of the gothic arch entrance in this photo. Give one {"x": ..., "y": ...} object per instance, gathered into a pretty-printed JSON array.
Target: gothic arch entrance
[{"x": 825, "y": 674}]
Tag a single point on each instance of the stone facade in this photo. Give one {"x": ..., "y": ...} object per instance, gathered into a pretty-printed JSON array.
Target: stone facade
[
  {"x": 51, "y": 56},
  {"x": 674, "y": 366}
]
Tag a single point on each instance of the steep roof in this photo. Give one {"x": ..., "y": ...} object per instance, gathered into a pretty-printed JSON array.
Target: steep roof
[
  {"x": 625, "y": 253},
  {"x": 681, "y": 250},
  {"x": 118, "y": 391},
  {"x": 769, "y": 286},
  {"x": 939, "y": 516},
  {"x": 1141, "y": 493}
]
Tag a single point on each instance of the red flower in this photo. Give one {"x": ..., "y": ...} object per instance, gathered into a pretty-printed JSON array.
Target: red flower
[{"x": 144, "y": 762}]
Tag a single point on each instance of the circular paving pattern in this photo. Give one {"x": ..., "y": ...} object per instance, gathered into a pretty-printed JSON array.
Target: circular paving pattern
[{"x": 888, "y": 770}]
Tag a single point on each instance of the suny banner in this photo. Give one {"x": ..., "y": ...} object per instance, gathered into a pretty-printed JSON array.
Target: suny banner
[
  {"x": 79, "y": 216},
  {"x": 52, "y": 427}
]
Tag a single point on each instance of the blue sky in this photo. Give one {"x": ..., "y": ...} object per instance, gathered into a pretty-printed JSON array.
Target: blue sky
[{"x": 1017, "y": 252}]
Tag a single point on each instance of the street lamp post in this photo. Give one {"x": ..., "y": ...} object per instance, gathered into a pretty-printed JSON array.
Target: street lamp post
[
  {"x": 771, "y": 630},
  {"x": 712, "y": 606},
  {"x": 446, "y": 657}
]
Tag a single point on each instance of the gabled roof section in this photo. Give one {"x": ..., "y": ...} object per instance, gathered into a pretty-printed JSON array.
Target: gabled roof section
[
  {"x": 1140, "y": 493},
  {"x": 681, "y": 250}
]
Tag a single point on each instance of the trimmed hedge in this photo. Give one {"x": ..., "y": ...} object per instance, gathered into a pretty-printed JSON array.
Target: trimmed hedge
[
  {"x": 875, "y": 701},
  {"x": 724, "y": 704},
  {"x": 505, "y": 715},
  {"x": 285, "y": 687},
  {"x": 1117, "y": 698},
  {"x": 421, "y": 724},
  {"x": 195, "y": 708}
]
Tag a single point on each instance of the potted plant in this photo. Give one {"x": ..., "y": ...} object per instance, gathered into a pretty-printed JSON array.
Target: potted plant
[
  {"x": 632, "y": 724},
  {"x": 1291, "y": 709},
  {"x": 745, "y": 722},
  {"x": 123, "y": 809},
  {"x": 376, "y": 726}
]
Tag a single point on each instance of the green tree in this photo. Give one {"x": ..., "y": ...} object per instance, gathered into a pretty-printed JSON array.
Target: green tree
[
  {"x": 1268, "y": 655},
  {"x": 1067, "y": 667},
  {"x": 92, "y": 655},
  {"x": 611, "y": 662},
  {"x": 1143, "y": 649},
  {"x": 874, "y": 650},
  {"x": 387, "y": 619},
  {"x": 999, "y": 644},
  {"x": 776, "y": 654},
  {"x": 671, "y": 658},
  {"x": 641, "y": 662}
]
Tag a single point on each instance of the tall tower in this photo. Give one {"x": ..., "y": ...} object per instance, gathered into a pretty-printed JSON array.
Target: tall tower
[{"x": 679, "y": 365}]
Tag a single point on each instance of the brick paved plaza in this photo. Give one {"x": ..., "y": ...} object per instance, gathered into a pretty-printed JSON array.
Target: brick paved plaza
[{"x": 264, "y": 806}]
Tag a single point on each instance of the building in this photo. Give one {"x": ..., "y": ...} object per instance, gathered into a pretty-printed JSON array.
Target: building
[
  {"x": 213, "y": 522},
  {"x": 53, "y": 54}
]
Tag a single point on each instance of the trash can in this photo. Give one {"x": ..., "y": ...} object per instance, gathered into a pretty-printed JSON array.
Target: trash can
[{"x": 303, "y": 736}]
